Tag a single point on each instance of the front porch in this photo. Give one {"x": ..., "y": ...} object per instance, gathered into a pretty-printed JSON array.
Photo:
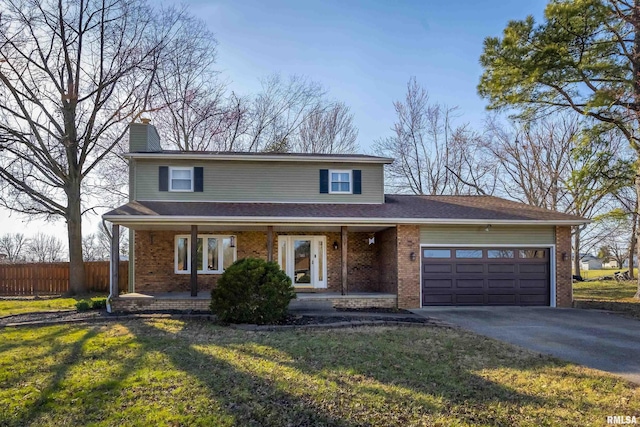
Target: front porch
[
  {"x": 350, "y": 265},
  {"x": 183, "y": 301}
]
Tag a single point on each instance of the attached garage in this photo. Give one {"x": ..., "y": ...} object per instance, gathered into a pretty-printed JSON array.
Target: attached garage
[
  {"x": 486, "y": 276},
  {"x": 481, "y": 265}
]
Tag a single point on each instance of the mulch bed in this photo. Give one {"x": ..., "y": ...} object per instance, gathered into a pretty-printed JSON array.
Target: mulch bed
[
  {"x": 61, "y": 316},
  {"x": 315, "y": 320},
  {"x": 291, "y": 321}
]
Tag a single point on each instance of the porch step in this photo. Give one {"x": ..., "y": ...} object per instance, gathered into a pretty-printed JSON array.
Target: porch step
[{"x": 310, "y": 306}]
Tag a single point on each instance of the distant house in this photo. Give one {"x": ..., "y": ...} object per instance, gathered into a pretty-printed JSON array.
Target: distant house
[
  {"x": 610, "y": 264},
  {"x": 590, "y": 262}
]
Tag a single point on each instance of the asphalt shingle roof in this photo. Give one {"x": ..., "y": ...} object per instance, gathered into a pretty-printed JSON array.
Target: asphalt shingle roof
[{"x": 395, "y": 207}]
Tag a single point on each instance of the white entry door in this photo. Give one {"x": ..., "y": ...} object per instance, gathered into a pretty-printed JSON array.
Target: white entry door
[{"x": 304, "y": 259}]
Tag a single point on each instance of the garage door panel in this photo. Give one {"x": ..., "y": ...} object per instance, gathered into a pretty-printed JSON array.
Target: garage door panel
[
  {"x": 533, "y": 268},
  {"x": 486, "y": 276},
  {"x": 501, "y": 283},
  {"x": 533, "y": 283},
  {"x": 437, "y": 268},
  {"x": 501, "y": 268},
  {"x": 470, "y": 283},
  {"x": 438, "y": 283},
  {"x": 470, "y": 268}
]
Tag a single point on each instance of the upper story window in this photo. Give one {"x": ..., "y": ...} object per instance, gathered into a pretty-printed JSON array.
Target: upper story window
[
  {"x": 180, "y": 179},
  {"x": 340, "y": 181}
]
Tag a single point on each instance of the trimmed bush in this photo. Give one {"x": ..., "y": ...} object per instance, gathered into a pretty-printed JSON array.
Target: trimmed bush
[
  {"x": 252, "y": 290},
  {"x": 83, "y": 305},
  {"x": 99, "y": 304}
]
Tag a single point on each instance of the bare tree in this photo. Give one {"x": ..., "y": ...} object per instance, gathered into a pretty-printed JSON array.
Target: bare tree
[
  {"x": 432, "y": 155},
  {"x": 103, "y": 237},
  {"x": 72, "y": 75},
  {"x": 627, "y": 199},
  {"x": 45, "y": 248},
  {"x": 92, "y": 249},
  {"x": 190, "y": 99},
  {"x": 13, "y": 246},
  {"x": 327, "y": 130},
  {"x": 535, "y": 159},
  {"x": 557, "y": 163},
  {"x": 279, "y": 109}
]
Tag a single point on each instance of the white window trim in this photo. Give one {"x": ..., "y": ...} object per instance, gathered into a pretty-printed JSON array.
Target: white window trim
[
  {"x": 205, "y": 249},
  {"x": 171, "y": 170},
  {"x": 350, "y": 172}
]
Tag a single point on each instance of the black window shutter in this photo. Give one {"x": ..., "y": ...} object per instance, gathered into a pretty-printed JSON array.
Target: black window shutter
[
  {"x": 163, "y": 174},
  {"x": 324, "y": 181},
  {"x": 357, "y": 181},
  {"x": 198, "y": 177}
]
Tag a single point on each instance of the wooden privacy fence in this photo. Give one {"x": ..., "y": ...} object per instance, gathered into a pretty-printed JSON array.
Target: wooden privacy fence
[{"x": 53, "y": 278}]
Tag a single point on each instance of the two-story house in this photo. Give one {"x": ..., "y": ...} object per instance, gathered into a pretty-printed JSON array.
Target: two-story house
[{"x": 326, "y": 220}]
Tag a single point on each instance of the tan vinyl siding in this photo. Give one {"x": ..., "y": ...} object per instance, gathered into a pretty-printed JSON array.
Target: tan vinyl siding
[
  {"x": 143, "y": 137},
  {"x": 476, "y": 235},
  {"x": 132, "y": 174},
  {"x": 235, "y": 181}
]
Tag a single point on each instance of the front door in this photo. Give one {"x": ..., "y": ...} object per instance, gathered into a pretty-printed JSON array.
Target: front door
[{"x": 304, "y": 259}]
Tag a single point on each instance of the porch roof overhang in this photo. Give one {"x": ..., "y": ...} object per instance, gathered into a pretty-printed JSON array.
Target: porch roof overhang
[{"x": 417, "y": 210}]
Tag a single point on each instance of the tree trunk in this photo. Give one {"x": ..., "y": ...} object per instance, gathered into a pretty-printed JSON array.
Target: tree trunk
[
  {"x": 74, "y": 228},
  {"x": 637, "y": 182},
  {"x": 632, "y": 242},
  {"x": 576, "y": 251}
]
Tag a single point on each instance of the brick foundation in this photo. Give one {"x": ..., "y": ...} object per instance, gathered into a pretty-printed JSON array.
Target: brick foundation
[
  {"x": 132, "y": 305},
  {"x": 564, "y": 282},
  {"x": 355, "y": 302},
  {"x": 129, "y": 305}
]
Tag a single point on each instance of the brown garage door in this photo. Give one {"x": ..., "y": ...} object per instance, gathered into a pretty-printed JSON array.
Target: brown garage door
[{"x": 485, "y": 276}]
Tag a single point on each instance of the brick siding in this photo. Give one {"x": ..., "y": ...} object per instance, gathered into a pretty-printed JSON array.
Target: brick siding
[
  {"x": 387, "y": 260},
  {"x": 564, "y": 282},
  {"x": 155, "y": 260},
  {"x": 408, "y": 241}
]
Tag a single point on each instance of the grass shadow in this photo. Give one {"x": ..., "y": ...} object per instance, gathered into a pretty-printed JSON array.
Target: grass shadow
[
  {"x": 41, "y": 405},
  {"x": 91, "y": 393}
]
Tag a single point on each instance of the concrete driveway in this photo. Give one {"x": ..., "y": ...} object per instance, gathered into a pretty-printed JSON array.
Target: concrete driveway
[{"x": 592, "y": 338}]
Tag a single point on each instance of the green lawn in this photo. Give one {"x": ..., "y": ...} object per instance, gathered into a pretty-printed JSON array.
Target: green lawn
[
  {"x": 594, "y": 274},
  {"x": 20, "y": 306},
  {"x": 606, "y": 290},
  {"x": 170, "y": 372},
  {"x": 607, "y": 295}
]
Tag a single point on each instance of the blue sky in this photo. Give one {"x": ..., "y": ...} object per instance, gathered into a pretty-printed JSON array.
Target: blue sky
[{"x": 364, "y": 52}]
